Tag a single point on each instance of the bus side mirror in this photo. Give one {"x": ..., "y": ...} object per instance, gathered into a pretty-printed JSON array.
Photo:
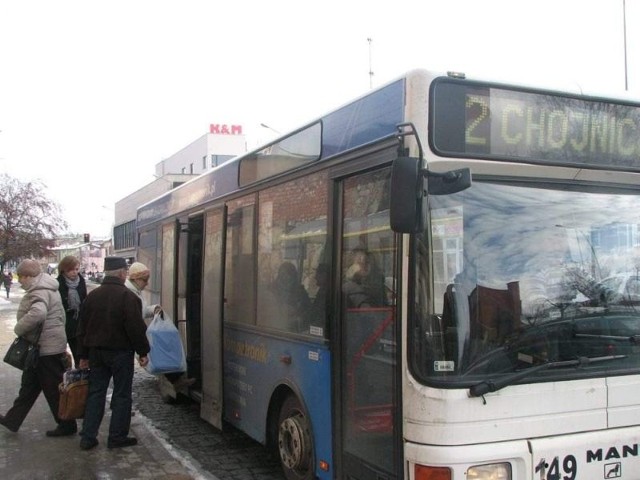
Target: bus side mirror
[{"x": 407, "y": 192}]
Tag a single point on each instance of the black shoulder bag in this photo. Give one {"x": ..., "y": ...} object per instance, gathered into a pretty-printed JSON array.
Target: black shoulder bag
[{"x": 23, "y": 354}]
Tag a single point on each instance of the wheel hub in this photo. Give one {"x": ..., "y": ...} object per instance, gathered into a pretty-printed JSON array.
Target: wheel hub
[{"x": 294, "y": 443}]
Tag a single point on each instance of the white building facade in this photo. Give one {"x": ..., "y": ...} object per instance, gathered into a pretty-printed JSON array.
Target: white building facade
[{"x": 222, "y": 143}]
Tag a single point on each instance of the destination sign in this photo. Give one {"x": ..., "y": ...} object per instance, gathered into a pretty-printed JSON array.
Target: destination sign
[{"x": 470, "y": 119}]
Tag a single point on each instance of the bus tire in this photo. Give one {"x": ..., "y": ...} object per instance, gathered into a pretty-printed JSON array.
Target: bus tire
[{"x": 294, "y": 441}]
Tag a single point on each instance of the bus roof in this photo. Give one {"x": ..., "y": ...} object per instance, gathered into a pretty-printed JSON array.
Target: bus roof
[{"x": 370, "y": 118}]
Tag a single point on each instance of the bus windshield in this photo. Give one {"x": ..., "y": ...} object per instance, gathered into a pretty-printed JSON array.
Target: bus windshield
[{"x": 523, "y": 276}]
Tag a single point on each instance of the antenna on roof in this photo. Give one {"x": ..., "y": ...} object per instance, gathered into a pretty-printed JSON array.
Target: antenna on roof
[
  {"x": 624, "y": 25},
  {"x": 370, "y": 67}
]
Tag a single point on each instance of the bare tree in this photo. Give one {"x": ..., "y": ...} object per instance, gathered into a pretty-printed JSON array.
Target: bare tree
[{"x": 29, "y": 221}]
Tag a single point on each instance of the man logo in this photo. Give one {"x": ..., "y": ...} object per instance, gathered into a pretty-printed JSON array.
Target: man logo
[{"x": 613, "y": 470}]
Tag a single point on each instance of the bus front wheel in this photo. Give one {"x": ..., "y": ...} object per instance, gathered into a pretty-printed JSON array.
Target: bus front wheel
[{"x": 295, "y": 443}]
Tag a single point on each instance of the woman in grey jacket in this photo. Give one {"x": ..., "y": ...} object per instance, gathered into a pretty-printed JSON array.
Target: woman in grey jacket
[{"x": 40, "y": 308}]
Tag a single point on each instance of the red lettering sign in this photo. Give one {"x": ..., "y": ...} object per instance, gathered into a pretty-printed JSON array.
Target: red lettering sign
[{"x": 224, "y": 129}]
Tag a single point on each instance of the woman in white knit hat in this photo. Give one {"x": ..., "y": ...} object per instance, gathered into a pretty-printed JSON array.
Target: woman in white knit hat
[
  {"x": 136, "y": 282},
  {"x": 138, "y": 279}
]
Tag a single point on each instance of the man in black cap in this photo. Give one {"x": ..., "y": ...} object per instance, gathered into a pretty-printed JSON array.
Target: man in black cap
[{"x": 111, "y": 331}]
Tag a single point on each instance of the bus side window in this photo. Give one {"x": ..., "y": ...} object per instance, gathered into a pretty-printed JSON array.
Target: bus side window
[
  {"x": 321, "y": 298},
  {"x": 291, "y": 243},
  {"x": 291, "y": 299},
  {"x": 240, "y": 270}
]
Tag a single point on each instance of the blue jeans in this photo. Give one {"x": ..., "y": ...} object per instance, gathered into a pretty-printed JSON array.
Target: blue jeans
[{"x": 105, "y": 365}]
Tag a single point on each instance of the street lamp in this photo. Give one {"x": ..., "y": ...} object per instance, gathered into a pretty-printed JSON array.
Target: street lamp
[
  {"x": 269, "y": 128},
  {"x": 370, "y": 65}
]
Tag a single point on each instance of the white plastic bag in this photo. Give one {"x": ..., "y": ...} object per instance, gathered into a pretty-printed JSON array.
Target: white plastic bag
[{"x": 167, "y": 354}]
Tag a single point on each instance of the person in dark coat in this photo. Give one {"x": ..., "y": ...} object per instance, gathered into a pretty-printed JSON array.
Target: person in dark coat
[
  {"x": 73, "y": 290},
  {"x": 111, "y": 332},
  {"x": 7, "y": 280}
]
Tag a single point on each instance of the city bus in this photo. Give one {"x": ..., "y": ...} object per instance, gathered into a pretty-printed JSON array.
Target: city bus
[{"x": 431, "y": 282}]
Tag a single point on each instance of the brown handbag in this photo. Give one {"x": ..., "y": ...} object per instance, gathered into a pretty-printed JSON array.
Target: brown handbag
[{"x": 73, "y": 399}]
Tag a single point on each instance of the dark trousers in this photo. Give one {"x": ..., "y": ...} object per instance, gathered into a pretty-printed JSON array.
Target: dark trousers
[
  {"x": 44, "y": 378},
  {"x": 73, "y": 346},
  {"x": 105, "y": 365}
]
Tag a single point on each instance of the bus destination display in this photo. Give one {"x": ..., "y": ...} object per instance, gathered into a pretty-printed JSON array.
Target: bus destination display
[{"x": 482, "y": 121}]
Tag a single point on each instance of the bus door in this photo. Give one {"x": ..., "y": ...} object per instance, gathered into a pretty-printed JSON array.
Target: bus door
[
  {"x": 212, "y": 308},
  {"x": 369, "y": 395},
  {"x": 189, "y": 288}
]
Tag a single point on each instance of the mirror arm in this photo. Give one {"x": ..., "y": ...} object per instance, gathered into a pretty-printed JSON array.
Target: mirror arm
[
  {"x": 448, "y": 177},
  {"x": 408, "y": 128}
]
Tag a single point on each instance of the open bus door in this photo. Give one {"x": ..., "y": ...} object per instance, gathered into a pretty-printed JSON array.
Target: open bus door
[
  {"x": 189, "y": 287},
  {"x": 198, "y": 307}
]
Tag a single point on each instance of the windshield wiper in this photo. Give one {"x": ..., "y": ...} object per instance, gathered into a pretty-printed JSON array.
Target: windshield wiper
[
  {"x": 487, "y": 386},
  {"x": 630, "y": 338}
]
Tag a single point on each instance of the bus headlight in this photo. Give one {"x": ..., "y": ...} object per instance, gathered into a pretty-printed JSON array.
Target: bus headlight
[{"x": 494, "y": 471}]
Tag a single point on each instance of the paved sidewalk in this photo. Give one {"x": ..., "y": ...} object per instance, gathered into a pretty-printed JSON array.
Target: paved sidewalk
[
  {"x": 30, "y": 455},
  {"x": 229, "y": 453}
]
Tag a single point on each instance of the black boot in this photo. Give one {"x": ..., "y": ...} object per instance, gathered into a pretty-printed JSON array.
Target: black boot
[
  {"x": 4, "y": 423},
  {"x": 63, "y": 430},
  {"x": 122, "y": 442}
]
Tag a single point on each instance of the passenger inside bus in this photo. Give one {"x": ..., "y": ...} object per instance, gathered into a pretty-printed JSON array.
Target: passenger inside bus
[
  {"x": 291, "y": 299},
  {"x": 364, "y": 285}
]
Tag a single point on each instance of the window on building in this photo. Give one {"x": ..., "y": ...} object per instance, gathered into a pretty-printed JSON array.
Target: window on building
[
  {"x": 219, "y": 159},
  {"x": 124, "y": 235}
]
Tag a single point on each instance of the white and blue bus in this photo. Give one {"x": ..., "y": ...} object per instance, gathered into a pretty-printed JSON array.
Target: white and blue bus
[{"x": 437, "y": 281}]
